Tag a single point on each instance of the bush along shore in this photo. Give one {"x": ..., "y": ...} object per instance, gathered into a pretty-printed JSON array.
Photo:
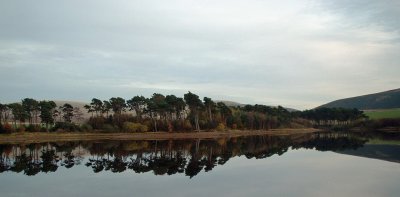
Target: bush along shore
[{"x": 173, "y": 114}]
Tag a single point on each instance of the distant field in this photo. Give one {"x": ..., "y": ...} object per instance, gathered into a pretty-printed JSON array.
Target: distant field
[
  {"x": 384, "y": 113},
  {"x": 383, "y": 142}
]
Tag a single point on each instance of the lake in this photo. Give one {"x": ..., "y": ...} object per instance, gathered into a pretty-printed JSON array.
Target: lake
[{"x": 314, "y": 164}]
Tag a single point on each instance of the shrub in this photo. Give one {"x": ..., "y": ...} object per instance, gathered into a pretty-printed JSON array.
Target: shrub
[
  {"x": 203, "y": 124},
  {"x": 109, "y": 128},
  {"x": 170, "y": 127},
  {"x": 378, "y": 124},
  {"x": 220, "y": 127},
  {"x": 33, "y": 128},
  {"x": 119, "y": 120},
  {"x": 65, "y": 126},
  {"x": 44, "y": 129},
  {"x": 210, "y": 125},
  {"x": 134, "y": 127},
  {"x": 187, "y": 126},
  {"x": 144, "y": 128},
  {"x": 7, "y": 128},
  {"x": 388, "y": 122},
  {"x": 21, "y": 128},
  {"x": 162, "y": 125},
  {"x": 148, "y": 123},
  {"x": 234, "y": 126},
  {"x": 1, "y": 128},
  {"x": 129, "y": 127},
  {"x": 177, "y": 125},
  {"x": 97, "y": 122},
  {"x": 86, "y": 127}
]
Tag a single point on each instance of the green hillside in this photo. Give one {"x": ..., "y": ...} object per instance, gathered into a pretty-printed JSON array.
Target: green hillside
[
  {"x": 386, "y": 113},
  {"x": 383, "y": 100}
]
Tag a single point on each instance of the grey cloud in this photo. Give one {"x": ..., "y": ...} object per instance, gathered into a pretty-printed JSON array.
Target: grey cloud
[
  {"x": 361, "y": 13},
  {"x": 298, "y": 54}
]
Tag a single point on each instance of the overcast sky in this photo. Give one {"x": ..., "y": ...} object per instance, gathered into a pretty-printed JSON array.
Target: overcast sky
[{"x": 298, "y": 54}]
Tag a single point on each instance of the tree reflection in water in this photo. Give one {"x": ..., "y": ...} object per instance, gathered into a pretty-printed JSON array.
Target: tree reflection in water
[{"x": 165, "y": 157}]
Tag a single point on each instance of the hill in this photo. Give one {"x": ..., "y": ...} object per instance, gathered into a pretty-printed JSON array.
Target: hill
[
  {"x": 236, "y": 104},
  {"x": 231, "y": 103},
  {"x": 383, "y": 100}
]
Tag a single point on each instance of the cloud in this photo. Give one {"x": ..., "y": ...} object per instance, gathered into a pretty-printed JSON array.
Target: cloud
[
  {"x": 296, "y": 54},
  {"x": 366, "y": 14}
]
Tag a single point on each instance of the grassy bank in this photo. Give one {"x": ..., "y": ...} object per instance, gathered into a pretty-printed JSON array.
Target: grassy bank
[
  {"x": 384, "y": 113},
  {"x": 15, "y": 138},
  {"x": 383, "y": 142}
]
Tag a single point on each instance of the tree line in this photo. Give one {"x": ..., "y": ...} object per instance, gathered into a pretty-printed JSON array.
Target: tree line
[
  {"x": 162, "y": 113},
  {"x": 172, "y": 113},
  {"x": 332, "y": 116},
  {"x": 36, "y": 115}
]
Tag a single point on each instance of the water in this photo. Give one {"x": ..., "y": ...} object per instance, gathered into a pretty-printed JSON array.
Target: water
[{"x": 296, "y": 165}]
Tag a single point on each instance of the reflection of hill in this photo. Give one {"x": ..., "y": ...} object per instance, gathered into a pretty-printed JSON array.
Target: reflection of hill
[
  {"x": 166, "y": 157},
  {"x": 374, "y": 151}
]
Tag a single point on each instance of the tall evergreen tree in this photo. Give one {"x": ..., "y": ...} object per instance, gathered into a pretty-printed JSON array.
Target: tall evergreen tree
[
  {"x": 3, "y": 113},
  {"x": 68, "y": 112},
  {"x": 137, "y": 104},
  {"x": 97, "y": 106},
  {"x": 18, "y": 113},
  {"x": 46, "y": 112},
  {"x": 118, "y": 105},
  {"x": 106, "y": 107},
  {"x": 210, "y": 106},
  {"x": 195, "y": 105},
  {"x": 31, "y": 108}
]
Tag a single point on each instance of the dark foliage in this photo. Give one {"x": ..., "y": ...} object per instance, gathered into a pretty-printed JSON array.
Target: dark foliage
[{"x": 65, "y": 126}]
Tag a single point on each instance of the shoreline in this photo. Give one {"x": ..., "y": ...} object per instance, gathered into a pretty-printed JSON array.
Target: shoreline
[{"x": 39, "y": 137}]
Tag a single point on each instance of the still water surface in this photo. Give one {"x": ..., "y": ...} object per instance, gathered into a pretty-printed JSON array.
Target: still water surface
[{"x": 325, "y": 164}]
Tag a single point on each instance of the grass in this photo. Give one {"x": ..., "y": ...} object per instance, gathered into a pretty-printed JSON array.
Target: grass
[
  {"x": 384, "y": 113},
  {"x": 37, "y": 137},
  {"x": 383, "y": 142}
]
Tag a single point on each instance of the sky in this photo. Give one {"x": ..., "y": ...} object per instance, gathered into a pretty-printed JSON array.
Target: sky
[{"x": 294, "y": 53}]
